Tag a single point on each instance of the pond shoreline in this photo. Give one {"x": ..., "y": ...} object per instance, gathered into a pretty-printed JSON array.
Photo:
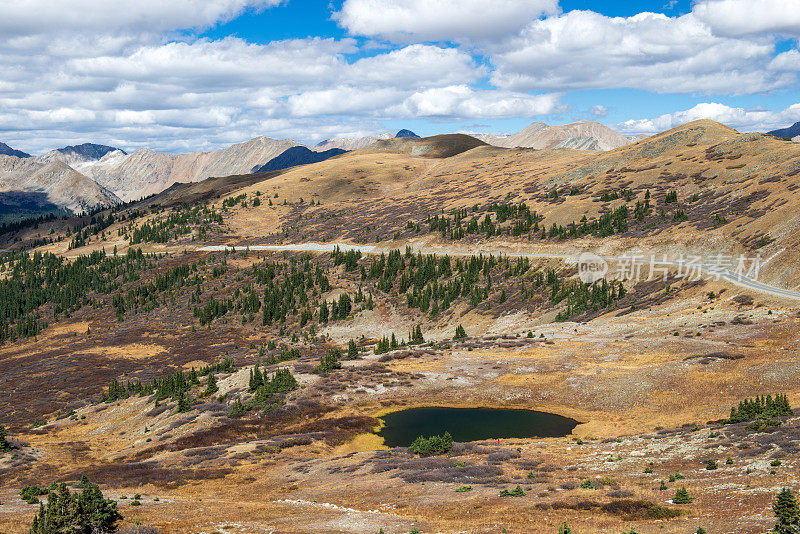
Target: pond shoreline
[{"x": 400, "y": 427}]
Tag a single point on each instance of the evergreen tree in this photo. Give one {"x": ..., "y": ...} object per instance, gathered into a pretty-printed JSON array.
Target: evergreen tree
[
  {"x": 211, "y": 385},
  {"x": 4, "y": 446},
  {"x": 682, "y": 496},
  {"x": 787, "y": 512},
  {"x": 256, "y": 378},
  {"x": 184, "y": 403},
  {"x": 416, "y": 336},
  {"x": 330, "y": 361},
  {"x": 460, "y": 332},
  {"x": 352, "y": 350},
  {"x": 564, "y": 529},
  {"x": 87, "y": 512}
]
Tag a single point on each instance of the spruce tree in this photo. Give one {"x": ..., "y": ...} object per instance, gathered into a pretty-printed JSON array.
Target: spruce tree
[
  {"x": 4, "y": 446},
  {"x": 184, "y": 403},
  {"x": 682, "y": 496},
  {"x": 211, "y": 385},
  {"x": 256, "y": 378},
  {"x": 564, "y": 529},
  {"x": 787, "y": 512},
  {"x": 352, "y": 350},
  {"x": 87, "y": 511}
]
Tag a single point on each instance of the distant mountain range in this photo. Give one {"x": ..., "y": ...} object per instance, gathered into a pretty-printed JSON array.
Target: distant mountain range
[
  {"x": 79, "y": 154},
  {"x": 583, "y": 135},
  {"x": 6, "y": 150},
  {"x": 344, "y": 143},
  {"x": 791, "y": 132},
  {"x": 82, "y": 177},
  {"x": 48, "y": 185}
]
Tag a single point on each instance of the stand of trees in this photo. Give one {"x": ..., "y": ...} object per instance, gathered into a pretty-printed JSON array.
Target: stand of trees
[
  {"x": 433, "y": 445},
  {"x": 85, "y": 512},
  {"x": 760, "y": 407},
  {"x": 176, "y": 224},
  {"x": 38, "y": 280}
]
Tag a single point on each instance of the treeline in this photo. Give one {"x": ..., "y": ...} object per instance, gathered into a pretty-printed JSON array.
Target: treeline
[
  {"x": 518, "y": 219},
  {"x": 15, "y": 226},
  {"x": 581, "y": 297},
  {"x": 146, "y": 295}
]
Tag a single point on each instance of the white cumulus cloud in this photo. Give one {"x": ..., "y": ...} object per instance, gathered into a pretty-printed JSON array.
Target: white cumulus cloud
[
  {"x": 587, "y": 50},
  {"x": 440, "y": 20},
  {"x": 739, "y": 118},
  {"x": 31, "y": 17},
  {"x": 750, "y": 17},
  {"x": 462, "y": 101}
]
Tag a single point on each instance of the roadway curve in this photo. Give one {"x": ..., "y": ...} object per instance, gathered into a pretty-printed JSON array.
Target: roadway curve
[{"x": 724, "y": 274}]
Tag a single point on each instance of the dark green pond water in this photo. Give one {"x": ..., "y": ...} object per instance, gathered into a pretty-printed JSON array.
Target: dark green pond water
[{"x": 472, "y": 424}]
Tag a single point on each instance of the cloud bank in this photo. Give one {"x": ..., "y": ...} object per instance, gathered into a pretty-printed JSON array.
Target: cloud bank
[{"x": 139, "y": 74}]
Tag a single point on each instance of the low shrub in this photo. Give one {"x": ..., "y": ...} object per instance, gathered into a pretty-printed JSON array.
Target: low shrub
[{"x": 516, "y": 492}]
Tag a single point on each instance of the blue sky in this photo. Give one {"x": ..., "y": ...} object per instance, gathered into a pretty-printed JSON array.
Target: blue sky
[{"x": 192, "y": 75}]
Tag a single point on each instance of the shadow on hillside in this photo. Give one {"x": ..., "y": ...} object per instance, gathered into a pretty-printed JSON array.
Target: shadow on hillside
[{"x": 17, "y": 205}]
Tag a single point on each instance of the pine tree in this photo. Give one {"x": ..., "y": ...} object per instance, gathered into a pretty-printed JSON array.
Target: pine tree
[
  {"x": 330, "y": 361},
  {"x": 184, "y": 403},
  {"x": 787, "y": 512},
  {"x": 460, "y": 332},
  {"x": 211, "y": 385},
  {"x": 564, "y": 529},
  {"x": 87, "y": 511},
  {"x": 352, "y": 350},
  {"x": 256, "y": 378},
  {"x": 416, "y": 336},
  {"x": 682, "y": 496},
  {"x": 4, "y": 446}
]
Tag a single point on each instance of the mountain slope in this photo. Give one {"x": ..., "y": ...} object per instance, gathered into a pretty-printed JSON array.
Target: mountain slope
[
  {"x": 146, "y": 172},
  {"x": 298, "y": 155},
  {"x": 406, "y": 133},
  {"x": 584, "y": 135},
  {"x": 790, "y": 132},
  {"x": 6, "y": 150},
  {"x": 76, "y": 155},
  {"x": 348, "y": 144},
  {"x": 438, "y": 146},
  {"x": 51, "y": 184}
]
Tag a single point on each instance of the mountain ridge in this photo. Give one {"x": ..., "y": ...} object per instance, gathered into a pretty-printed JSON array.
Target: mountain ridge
[
  {"x": 789, "y": 132},
  {"x": 6, "y": 150},
  {"x": 585, "y": 135},
  {"x": 61, "y": 185},
  {"x": 298, "y": 155}
]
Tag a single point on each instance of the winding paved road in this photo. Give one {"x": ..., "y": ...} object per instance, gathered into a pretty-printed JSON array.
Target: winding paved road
[{"x": 711, "y": 270}]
